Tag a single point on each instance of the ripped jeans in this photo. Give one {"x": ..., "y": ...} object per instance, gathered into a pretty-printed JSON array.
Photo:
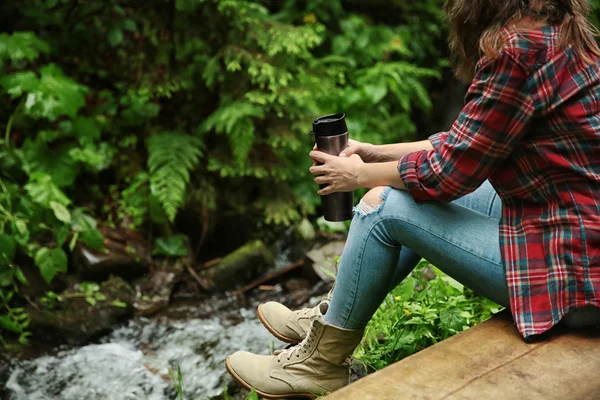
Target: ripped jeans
[{"x": 386, "y": 242}]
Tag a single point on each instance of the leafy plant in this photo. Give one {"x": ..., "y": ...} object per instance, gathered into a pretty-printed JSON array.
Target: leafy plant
[
  {"x": 171, "y": 158},
  {"x": 418, "y": 313}
]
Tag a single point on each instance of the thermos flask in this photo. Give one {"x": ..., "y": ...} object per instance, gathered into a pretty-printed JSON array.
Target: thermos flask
[{"x": 331, "y": 137}]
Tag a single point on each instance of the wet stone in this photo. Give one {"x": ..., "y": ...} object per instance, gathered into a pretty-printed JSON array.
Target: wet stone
[{"x": 74, "y": 320}]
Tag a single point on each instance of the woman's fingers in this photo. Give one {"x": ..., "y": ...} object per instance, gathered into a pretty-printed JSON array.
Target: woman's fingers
[
  {"x": 322, "y": 180},
  {"x": 326, "y": 190},
  {"x": 319, "y": 156},
  {"x": 317, "y": 169}
]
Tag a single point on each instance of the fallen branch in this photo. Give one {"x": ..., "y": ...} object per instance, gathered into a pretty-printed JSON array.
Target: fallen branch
[
  {"x": 268, "y": 277},
  {"x": 210, "y": 263},
  {"x": 195, "y": 275}
]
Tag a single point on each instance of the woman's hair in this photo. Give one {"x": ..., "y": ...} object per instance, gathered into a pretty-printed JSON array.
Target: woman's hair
[{"x": 475, "y": 27}]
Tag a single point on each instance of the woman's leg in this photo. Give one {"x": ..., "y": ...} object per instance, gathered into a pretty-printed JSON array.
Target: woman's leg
[
  {"x": 484, "y": 200},
  {"x": 459, "y": 240}
]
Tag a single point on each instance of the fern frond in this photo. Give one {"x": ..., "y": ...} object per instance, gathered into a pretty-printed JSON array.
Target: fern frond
[
  {"x": 235, "y": 120},
  {"x": 172, "y": 155}
]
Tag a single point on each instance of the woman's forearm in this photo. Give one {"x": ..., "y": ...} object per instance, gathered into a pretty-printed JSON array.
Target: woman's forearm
[
  {"x": 380, "y": 174},
  {"x": 393, "y": 152}
]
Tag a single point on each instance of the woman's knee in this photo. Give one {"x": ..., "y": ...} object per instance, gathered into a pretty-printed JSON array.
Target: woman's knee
[{"x": 373, "y": 200}]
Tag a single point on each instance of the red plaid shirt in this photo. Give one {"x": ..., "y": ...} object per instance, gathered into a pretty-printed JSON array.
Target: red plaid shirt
[{"x": 531, "y": 125}]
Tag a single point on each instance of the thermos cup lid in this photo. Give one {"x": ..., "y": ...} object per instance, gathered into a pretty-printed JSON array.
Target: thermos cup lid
[{"x": 330, "y": 125}]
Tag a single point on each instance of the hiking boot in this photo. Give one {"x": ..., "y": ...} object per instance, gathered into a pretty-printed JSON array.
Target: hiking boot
[
  {"x": 314, "y": 367},
  {"x": 287, "y": 325}
]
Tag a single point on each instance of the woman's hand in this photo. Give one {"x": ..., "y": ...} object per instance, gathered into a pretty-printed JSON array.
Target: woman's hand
[
  {"x": 366, "y": 151},
  {"x": 341, "y": 174}
]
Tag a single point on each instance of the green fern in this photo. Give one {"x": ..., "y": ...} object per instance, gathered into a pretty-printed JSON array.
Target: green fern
[
  {"x": 235, "y": 120},
  {"x": 171, "y": 158}
]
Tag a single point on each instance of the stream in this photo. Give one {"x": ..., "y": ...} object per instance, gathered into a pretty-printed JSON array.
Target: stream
[
  {"x": 139, "y": 359},
  {"x": 132, "y": 361}
]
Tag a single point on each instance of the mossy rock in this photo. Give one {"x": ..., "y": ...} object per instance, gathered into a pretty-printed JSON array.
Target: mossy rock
[
  {"x": 74, "y": 320},
  {"x": 238, "y": 267}
]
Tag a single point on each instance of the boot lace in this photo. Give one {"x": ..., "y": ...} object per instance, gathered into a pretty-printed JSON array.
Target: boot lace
[{"x": 301, "y": 347}]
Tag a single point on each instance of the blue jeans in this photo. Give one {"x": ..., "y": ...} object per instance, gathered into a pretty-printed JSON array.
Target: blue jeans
[{"x": 386, "y": 242}]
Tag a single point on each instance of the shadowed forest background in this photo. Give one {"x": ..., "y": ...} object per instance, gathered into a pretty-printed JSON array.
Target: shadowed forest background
[{"x": 148, "y": 147}]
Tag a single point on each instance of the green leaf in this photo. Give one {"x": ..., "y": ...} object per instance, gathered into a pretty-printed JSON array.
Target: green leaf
[
  {"x": 406, "y": 289},
  {"x": 129, "y": 25},
  {"x": 42, "y": 190},
  {"x": 19, "y": 83},
  {"x": 375, "y": 93},
  {"x": 115, "y": 37},
  {"x": 252, "y": 395},
  {"x": 61, "y": 235},
  {"x": 21, "y": 46},
  {"x": 93, "y": 239},
  {"x": 50, "y": 262},
  {"x": 52, "y": 160},
  {"x": 73, "y": 241},
  {"x": 60, "y": 212},
  {"x": 86, "y": 129},
  {"x": 172, "y": 246},
  {"x": 452, "y": 320},
  {"x": 98, "y": 157},
  {"x": 6, "y": 275},
  {"x": 169, "y": 175},
  {"x": 118, "y": 303},
  {"x": 8, "y": 248},
  {"x": 50, "y": 96},
  {"x": 157, "y": 214},
  {"x": 20, "y": 276},
  {"x": 6, "y": 323},
  {"x": 82, "y": 221},
  {"x": 100, "y": 296},
  {"x": 91, "y": 301}
]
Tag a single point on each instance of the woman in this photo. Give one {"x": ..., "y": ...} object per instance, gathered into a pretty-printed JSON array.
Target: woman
[{"x": 507, "y": 202}]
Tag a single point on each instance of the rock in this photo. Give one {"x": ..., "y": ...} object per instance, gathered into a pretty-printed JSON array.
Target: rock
[
  {"x": 127, "y": 255},
  {"x": 76, "y": 321},
  {"x": 324, "y": 258},
  {"x": 239, "y": 266},
  {"x": 153, "y": 291}
]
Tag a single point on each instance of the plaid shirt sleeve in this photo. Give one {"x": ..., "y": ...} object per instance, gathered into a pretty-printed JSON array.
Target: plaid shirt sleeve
[{"x": 497, "y": 111}]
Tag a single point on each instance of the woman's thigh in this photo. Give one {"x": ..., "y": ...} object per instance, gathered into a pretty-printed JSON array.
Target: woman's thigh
[{"x": 460, "y": 238}]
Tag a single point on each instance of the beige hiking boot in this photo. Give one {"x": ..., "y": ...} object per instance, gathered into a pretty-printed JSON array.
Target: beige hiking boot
[
  {"x": 287, "y": 325},
  {"x": 314, "y": 367}
]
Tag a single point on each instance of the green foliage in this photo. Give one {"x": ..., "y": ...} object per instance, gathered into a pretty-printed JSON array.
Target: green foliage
[
  {"x": 50, "y": 262},
  {"x": 126, "y": 116},
  {"x": 171, "y": 158},
  {"x": 50, "y": 95},
  {"x": 419, "y": 313},
  {"x": 21, "y": 46},
  {"x": 171, "y": 246},
  {"x": 252, "y": 395}
]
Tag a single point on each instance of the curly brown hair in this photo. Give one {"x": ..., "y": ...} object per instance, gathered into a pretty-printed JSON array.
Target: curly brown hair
[{"x": 475, "y": 27}]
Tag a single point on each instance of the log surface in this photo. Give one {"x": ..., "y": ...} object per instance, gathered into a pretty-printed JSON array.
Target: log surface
[{"x": 490, "y": 361}]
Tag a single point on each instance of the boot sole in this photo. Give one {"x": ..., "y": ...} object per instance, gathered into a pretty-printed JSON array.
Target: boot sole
[
  {"x": 261, "y": 393},
  {"x": 271, "y": 330}
]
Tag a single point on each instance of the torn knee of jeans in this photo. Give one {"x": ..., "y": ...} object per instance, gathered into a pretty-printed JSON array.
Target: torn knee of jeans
[{"x": 372, "y": 201}]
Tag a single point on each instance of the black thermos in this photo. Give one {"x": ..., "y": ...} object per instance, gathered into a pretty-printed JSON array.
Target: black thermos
[{"x": 331, "y": 137}]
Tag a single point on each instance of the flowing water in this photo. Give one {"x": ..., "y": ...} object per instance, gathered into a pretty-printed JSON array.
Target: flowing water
[
  {"x": 138, "y": 360},
  {"x": 133, "y": 361}
]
